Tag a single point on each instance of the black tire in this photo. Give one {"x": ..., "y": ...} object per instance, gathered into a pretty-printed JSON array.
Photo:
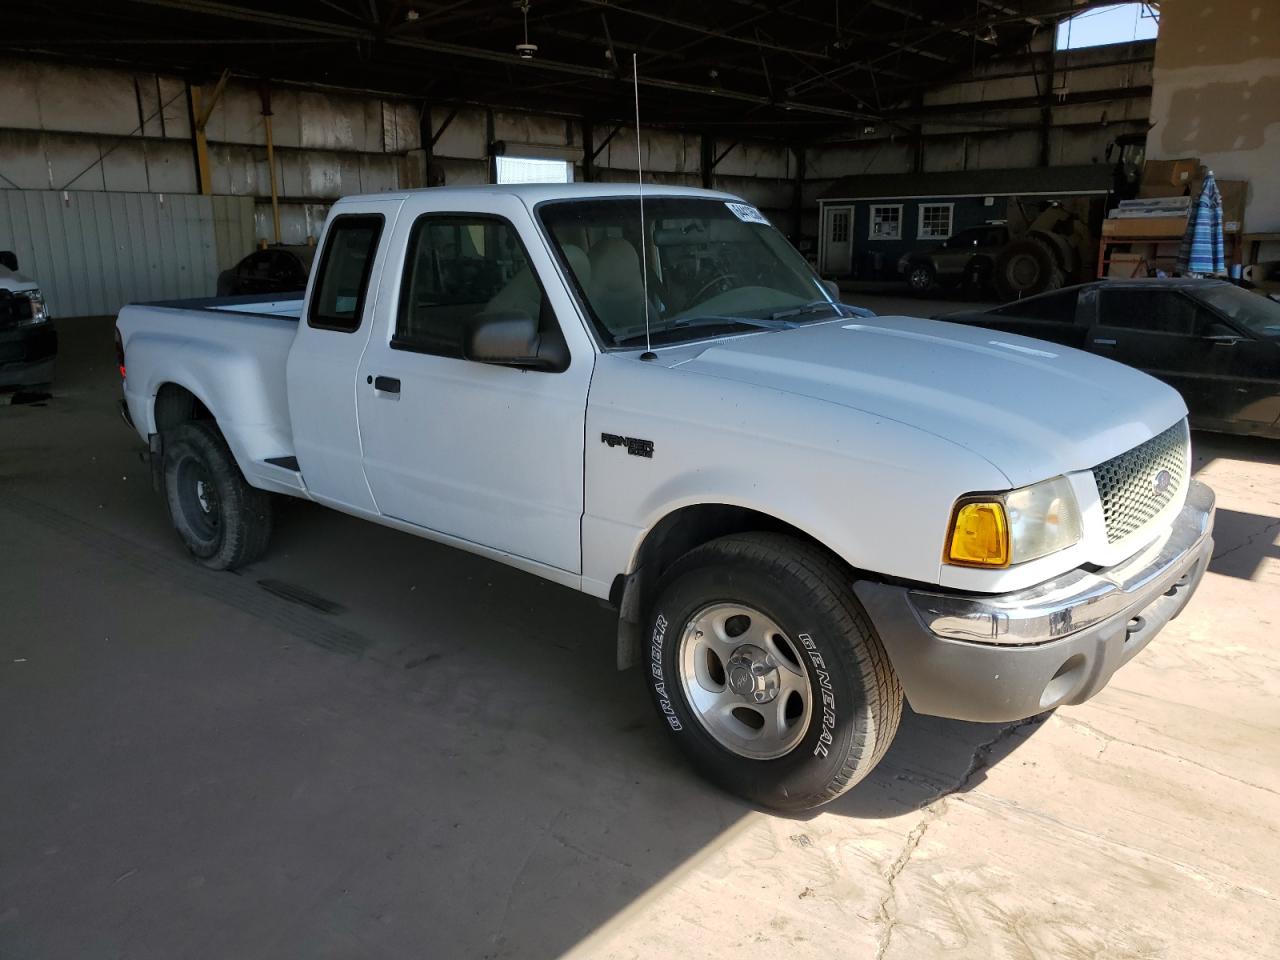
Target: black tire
[
  {"x": 856, "y": 696},
  {"x": 224, "y": 522},
  {"x": 921, "y": 276},
  {"x": 1024, "y": 268}
]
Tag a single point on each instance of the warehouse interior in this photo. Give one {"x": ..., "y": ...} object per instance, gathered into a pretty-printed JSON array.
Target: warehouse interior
[
  {"x": 368, "y": 745},
  {"x": 147, "y": 101}
]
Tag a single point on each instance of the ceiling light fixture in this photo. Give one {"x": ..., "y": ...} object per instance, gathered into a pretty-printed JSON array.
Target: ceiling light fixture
[{"x": 526, "y": 50}]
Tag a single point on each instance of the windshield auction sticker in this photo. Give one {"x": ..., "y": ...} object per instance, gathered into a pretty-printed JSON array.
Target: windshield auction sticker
[{"x": 747, "y": 213}]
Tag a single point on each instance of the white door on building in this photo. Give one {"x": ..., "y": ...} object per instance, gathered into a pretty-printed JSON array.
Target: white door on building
[{"x": 837, "y": 234}]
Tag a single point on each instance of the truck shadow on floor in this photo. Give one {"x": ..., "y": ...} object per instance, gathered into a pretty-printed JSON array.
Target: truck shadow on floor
[
  {"x": 513, "y": 621},
  {"x": 930, "y": 759},
  {"x": 1208, "y": 447},
  {"x": 362, "y": 739},
  {"x": 1243, "y": 542}
]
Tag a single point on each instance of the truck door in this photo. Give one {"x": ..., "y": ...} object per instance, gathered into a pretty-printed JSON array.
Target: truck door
[
  {"x": 342, "y": 300},
  {"x": 488, "y": 454}
]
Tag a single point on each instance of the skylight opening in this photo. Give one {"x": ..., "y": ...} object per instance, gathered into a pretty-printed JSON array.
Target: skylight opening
[{"x": 1117, "y": 23}]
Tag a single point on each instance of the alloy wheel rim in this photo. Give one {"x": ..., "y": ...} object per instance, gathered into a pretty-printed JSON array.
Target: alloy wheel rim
[{"x": 744, "y": 680}]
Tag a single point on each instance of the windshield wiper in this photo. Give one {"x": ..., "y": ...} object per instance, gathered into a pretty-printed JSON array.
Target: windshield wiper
[
  {"x": 708, "y": 320},
  {"x": 813, "y": 306}
]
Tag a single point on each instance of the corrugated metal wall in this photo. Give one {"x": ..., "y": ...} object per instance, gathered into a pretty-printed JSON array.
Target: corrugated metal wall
[{"x": 93, "y": 251}]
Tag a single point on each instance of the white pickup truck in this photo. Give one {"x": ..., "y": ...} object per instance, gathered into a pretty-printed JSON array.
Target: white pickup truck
[{"x": 801, "y": 512}]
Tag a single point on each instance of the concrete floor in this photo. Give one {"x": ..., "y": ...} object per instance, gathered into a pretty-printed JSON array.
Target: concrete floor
[{"x": 424, "y": 754}]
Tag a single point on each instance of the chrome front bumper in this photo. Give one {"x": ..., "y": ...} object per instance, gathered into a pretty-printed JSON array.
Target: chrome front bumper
[{"x": 1009, "y": 656}]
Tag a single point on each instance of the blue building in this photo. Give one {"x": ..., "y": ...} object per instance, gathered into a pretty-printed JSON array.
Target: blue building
[{"x": 867, "y": 222}]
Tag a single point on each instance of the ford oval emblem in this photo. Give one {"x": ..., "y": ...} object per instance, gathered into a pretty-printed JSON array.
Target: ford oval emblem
[{"x": 1161, "y": 482}]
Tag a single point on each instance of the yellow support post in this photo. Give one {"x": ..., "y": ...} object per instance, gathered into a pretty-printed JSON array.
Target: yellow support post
[
  {"x": 265, "y": 94},
  {"x": 202, "y": 143},
  {"x": 201, "y": 109}
]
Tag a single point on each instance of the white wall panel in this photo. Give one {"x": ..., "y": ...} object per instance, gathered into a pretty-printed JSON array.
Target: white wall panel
[{"x": 92, "y": 252}]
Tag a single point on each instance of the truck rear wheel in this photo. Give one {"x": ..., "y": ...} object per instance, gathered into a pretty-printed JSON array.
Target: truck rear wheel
[
  {"x": 768, "y": 673},
  {"x": 224, "y": 522}
]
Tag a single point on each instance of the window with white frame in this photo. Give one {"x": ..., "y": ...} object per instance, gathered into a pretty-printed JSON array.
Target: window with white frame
[
  {"x": 935, "y": 221},
  {"x": 886, "y": 222}
]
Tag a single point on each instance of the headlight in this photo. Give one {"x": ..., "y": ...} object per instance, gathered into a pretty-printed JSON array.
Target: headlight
[
  {"x": 39, "y": 312},
  {"x": 996, "y": 530}
]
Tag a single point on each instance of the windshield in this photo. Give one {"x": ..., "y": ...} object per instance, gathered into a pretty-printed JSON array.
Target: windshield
[
  {"x": 1255, "y": 313},
  {"x": 713, "y": 267}
]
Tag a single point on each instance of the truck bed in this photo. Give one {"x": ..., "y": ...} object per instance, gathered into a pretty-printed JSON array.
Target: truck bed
[
  {"x": 232, "y": 353},
  {"x": 286, "y": 306}
]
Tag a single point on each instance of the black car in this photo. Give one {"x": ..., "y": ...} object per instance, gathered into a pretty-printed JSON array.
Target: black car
[
  {"x": 1218, "y": 344},
  {"x": 276, "y": 269}
]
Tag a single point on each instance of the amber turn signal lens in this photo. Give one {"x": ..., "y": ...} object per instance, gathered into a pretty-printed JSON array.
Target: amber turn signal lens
[{"x": 979, "y": 535}]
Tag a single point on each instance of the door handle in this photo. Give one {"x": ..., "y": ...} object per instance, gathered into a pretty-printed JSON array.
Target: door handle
[
  {"x": 386, "y": 384},
  {"x": 1104, "y": 343}
]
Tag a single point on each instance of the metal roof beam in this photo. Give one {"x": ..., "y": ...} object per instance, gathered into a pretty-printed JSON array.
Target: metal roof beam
[
  {"x": 707, "y": 31},
  {"x": 226, "y": 11},
  {"x": 912, "y": 15}
]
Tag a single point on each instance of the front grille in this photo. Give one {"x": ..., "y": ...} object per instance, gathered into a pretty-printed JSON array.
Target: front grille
[{"x": 1131, "y": 486}]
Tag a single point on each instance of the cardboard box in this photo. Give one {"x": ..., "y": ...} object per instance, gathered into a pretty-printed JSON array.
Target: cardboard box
[
  {"x": 1154, "y": 190},
  {"x": 1233, "y": 196},
  {"x": 1145, "y": 227},
  {"x": 1170, "y": 173},
  {"x": 1126, "y": 266}
]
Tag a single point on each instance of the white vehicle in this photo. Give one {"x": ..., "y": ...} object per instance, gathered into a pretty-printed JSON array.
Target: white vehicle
[
  {"x": 28, "y": 343},
  {"x": 801, "y": 512}
]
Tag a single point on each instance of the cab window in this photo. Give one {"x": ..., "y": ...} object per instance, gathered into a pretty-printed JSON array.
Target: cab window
[
  {"x": 458, "y": 266},
  {"x": 345, "y": 265}
]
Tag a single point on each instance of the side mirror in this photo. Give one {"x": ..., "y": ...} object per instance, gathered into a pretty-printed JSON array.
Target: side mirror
[
  {"x": 9, "y": 259},
  {"x": 510, "y": 338},
  {"x": 833, "y": 289}
]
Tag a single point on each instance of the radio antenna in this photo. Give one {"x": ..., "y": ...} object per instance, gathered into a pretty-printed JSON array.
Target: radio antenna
[{"x": 644, "y": 243}]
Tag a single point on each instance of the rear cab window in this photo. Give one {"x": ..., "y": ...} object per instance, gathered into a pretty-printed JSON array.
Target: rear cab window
[{"x": 342, "y": 282}]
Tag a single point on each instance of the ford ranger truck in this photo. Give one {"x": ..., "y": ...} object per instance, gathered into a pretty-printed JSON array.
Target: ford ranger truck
[{"x": 802, "y": 513}]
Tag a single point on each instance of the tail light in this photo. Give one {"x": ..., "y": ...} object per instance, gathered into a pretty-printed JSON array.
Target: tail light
[{"x": 120, "y": 353}]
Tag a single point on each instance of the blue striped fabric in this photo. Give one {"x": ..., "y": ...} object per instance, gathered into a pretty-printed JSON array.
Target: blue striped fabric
[{"x": 1202, "y": 249}]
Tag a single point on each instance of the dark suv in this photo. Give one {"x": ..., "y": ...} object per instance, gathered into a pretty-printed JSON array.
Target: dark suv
[{"x": 969, "y": 255}]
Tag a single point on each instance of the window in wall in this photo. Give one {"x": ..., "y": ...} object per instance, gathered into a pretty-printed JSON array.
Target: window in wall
[
  {"x": 534, "y": 170},
  {"x": 345, "y": 264},
  {"x": 935, "y": 221},
  {"x": 1116, "y": 23},
  {"x": 886, "y": 222},
  {"x": 840, "y": 226},
  {"x": 458, "y": 266}
]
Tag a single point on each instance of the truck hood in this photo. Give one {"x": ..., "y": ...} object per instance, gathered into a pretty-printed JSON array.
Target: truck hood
[{"x": 1032, "y": 409}]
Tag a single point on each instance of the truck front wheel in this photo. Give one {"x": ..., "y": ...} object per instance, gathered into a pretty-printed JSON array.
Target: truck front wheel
[
  {"x": 767, "y": 672},
  {"x": 224, "y": 522}
]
